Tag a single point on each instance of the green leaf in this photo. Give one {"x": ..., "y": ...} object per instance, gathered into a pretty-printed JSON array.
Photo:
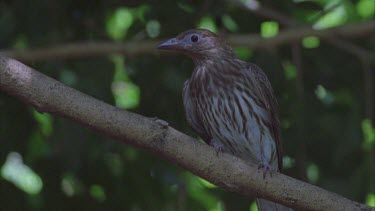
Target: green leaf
[
  {"x": 290, "y": 71},
  {"x": 141, "y": 11},
  {"x": 253, "y": 206},
  {"x": 45, "y": 122},
  {"x": 97, "y": 192},
  {"x": 185, "y": 7},
  {"x": 368, "y": 135},
  {"x": 285, "y": 124},
  {"x": 312, "y": 172},
  {"x": 288, "y": 162},
  {"x": 324, "y": 95},
  {"x": 206, "y": 183},
  {"x": 336, "y": 17},
  {"x": 370, "y": 199},
  {"x": 311, "y": 42},
  {"x": 208, "y": 23},
  {"x": 68, "y": 77},
  {"x": 229, "y": 23},
  {"x": 125, "y": 92},
  {"x": 366, "y": 8},
  {"x": 269, "y": 29},
  {"x": 21, "y": 42},
  {"x": 219, "y": 207},
  {"x": 37, "y": 146},
  {"x": 118, "y": 23},
  {"x": 70, "y": 185},
  {"x": 114, "y": 163},
  {"x": 22, "y": 176},
  {"x": 200, "y": 193},
  {"x": 243, "y": 53},
  {"x": 153, "y": 28},
  {"x": 131, "y": 154}
]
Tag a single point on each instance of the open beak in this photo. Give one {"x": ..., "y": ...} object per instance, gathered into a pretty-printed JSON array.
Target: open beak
[{"x": 171, "y": 44}]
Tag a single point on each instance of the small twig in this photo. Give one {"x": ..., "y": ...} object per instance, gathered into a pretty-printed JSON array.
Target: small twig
[
  {"x": 258, "y": 9},
  {"x": 352, "y": 48},
  {"x": 301, "y": 154},
  {"x": 333, "y": 38},
  {"x": 297, "y": 60},
  {"x": 368, "y": 78},
  {"x": 94, "y": 49}
]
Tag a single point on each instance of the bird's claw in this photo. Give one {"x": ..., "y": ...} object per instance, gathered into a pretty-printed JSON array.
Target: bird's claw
[
  {"x": 217, "y": 146},
  {"x": 265, "y": 168},
  {"x": 162, "y": 123}
]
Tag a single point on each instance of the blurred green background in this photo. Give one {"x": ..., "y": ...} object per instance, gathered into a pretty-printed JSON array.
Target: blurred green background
[{"x": 324, "y": 93}]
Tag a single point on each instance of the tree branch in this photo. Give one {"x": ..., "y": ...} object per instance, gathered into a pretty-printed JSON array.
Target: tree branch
[
  {"x": 226, "y": 171},
  {"x": 91, "y": 49},
  {"x": 258, "y": 9},
  {"x": 334, "y": 39}
]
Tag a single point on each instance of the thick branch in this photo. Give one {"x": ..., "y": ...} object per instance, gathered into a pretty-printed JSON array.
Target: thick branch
[
  {"x": 231, "y": 173},
  {"x": 79, "y": 50}
]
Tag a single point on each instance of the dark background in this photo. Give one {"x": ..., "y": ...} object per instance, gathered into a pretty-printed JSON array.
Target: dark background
[{"x": 325, "y": 95}]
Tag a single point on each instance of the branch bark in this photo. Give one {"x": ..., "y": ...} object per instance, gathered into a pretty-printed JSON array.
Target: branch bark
[
  {"x": 92, "y": 49},
  {"x": 226, "y": 171}
]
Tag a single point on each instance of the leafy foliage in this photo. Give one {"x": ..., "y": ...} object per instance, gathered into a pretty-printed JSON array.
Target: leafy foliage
[{"x": 49, "y": 163}]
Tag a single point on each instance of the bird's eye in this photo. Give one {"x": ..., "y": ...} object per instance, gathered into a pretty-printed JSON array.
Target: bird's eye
[{"x": 194, "y": 38}]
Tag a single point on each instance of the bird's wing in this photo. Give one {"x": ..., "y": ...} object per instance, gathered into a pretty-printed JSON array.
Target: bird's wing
[
  {"x": 264, "y": 92},
  {"x": 191, "y": 114}
]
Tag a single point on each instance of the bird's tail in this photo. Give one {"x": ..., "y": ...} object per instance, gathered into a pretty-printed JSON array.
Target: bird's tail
[{"x": 265, "y": 205}]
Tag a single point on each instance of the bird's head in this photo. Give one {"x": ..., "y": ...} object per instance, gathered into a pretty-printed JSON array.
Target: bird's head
[{"x": 198, "y": 44}]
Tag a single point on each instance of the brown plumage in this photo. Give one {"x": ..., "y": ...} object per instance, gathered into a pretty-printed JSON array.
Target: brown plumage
[{"x": 230, "y": 103}]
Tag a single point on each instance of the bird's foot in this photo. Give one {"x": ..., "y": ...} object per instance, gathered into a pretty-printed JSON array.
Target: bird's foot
[
  {"x": 219, "y": 147},
  {"x": 265, "y": 168},
  {"x": 160, "y": 122}
]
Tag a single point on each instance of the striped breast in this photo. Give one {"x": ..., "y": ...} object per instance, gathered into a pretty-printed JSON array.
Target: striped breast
[{"x": 230, "y": 113}]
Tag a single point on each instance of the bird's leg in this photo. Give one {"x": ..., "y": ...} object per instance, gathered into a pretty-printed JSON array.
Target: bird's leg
[
  {"x": 219, "y": 147},
  {"x": 265, "y": 168}
]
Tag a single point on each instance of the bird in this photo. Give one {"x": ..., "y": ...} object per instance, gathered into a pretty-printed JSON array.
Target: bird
[{"x": 230, "y": 103}]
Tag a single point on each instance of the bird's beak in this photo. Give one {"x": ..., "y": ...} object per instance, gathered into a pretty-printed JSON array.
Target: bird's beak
[{"x": 171, "y": 44}]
